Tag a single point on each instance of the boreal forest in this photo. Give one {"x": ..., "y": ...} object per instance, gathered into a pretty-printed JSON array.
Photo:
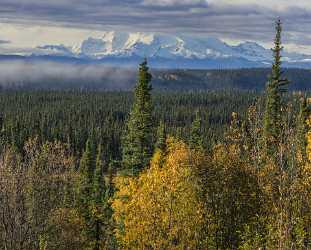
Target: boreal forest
[{"x": 220, "y": 168}]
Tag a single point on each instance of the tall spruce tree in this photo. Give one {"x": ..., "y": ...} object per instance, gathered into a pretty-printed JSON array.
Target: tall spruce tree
[
  {"x": 98, "y": 181},
  {"x": 137, "y": 139},
  {"x": 87, "y": 166},
  {"x": 196, "y": 140},
  {"x": 100, "y": 208},
  {"x": 84, "y": 195},
  {"x": 274, "y": 89},
  {"x": 93, "y": 198}
]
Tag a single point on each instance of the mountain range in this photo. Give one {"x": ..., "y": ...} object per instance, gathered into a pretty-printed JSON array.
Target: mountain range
[{"x": 162, "y": 51}]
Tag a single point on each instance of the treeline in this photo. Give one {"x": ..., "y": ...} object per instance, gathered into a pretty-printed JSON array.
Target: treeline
[{"x": 178, "y": 178}]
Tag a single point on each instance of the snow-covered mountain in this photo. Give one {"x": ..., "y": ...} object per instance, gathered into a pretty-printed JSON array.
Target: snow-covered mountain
[{"x": 169, "y": 51}]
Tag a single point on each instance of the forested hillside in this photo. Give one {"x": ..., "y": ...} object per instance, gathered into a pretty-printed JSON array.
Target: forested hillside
[
  {"x": 239, "y": 79},
  {"x": 155, "y": 170}
]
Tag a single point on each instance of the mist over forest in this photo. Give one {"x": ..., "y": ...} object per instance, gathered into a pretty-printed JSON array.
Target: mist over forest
[{"x": 21, "y": 75}]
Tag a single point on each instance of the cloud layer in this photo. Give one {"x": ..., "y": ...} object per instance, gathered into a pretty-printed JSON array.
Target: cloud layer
[
  {"x": 48, "y": 75},
  {"x": 229, "y": 19}
]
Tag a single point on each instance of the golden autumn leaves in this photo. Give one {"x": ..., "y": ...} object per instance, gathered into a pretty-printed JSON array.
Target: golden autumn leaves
[
  {"x": 161, "y": 208},
  {"x": 234, "y": 195}
]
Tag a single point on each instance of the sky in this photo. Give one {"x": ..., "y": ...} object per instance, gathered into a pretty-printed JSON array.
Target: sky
[{"x": 25, "y": 24}]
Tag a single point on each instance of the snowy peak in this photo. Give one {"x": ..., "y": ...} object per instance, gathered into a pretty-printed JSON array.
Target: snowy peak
[
  {"x": 112, "y": 43},
  {"x": 161, "y": 46},
  {"x": 153, "y": 45},
  {"x": 93, "y": 46},
  {"x": 253, "y": 51}
]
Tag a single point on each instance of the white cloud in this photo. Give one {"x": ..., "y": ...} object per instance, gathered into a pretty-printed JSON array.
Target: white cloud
[{"x": 30, "y": 36}]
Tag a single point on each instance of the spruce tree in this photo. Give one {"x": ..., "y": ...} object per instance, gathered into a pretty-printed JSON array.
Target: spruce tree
[
  {"x": 161, "y": 137},
  {"x": 85, "y": 188},
  {"x": 93, "y": 199},
  {"x": 274, "y": 89},
  {"x": 101, "y": 212},
  {"x": 87, "y": 166},
  {"x": 98, "y": 181},
  {"x": 196, "y": 141},
  {"x": 137, "y": 139}
]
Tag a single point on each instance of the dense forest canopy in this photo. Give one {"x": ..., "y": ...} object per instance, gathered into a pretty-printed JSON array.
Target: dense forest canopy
[{"x": 72, "y": 116}]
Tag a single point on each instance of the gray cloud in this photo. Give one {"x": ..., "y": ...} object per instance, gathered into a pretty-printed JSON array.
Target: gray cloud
[
  {"x": 4, "y": 42},
  {"x": 52, "y": 75},
  {"x": 239, "y": 19}
]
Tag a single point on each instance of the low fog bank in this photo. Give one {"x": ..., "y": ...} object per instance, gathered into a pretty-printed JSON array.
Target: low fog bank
[
  {"x": 54, "y": 76},
  {"x": 43, "y": 75}
]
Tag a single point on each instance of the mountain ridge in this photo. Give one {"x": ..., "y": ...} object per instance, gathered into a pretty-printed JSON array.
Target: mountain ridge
[{"x": 125, "y": 48}]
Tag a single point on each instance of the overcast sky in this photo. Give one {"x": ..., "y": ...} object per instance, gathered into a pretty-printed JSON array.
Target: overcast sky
[{"x": 29, "y": 23}]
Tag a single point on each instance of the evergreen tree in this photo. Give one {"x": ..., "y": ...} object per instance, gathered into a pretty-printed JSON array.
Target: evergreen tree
[
  {"x": 104, "y": 180},
  {"x": 99, "y": 187},
  {"x": 93, "y": 200},
  {"x": 161, "y": 137},
  {"x": 87, "y": 167},
  {"x": 85, "y": 188},
  {"x": 274, "y": 89},
  {"x": 196, "y": 140},
  {"x": 100, "y": 208},
  {"x": 137, "y": 140}
]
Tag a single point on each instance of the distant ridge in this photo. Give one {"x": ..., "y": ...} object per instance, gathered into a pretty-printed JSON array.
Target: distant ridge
[{"x": 163, "y": 51}]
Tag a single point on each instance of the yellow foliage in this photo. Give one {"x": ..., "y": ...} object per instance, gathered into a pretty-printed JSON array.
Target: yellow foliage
[{"x": 160, "y": 209}]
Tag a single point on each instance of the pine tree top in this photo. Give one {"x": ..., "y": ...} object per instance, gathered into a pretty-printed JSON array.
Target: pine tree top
[
  {"x": 196, "y": 140},
  {"x": 276, "y": 74},
  {"x": 144, "y": 77}
]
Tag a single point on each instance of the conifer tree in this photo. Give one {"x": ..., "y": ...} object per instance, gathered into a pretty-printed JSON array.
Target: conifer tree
[
  {"x": 196, "y": 141},
  {"x": 101, "y": 212},
  {"x": 93, "y": 200},
  {"x": 274, "y": 89},
  {"x": 87, "y": 166},
  {"x": 85, "y": 187},
  {"x": 98, "y": 182},
  {"x": 109, "y": 183},
  {"x": 137, "y": 139},
  {"x": 161, "y": 137}
]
